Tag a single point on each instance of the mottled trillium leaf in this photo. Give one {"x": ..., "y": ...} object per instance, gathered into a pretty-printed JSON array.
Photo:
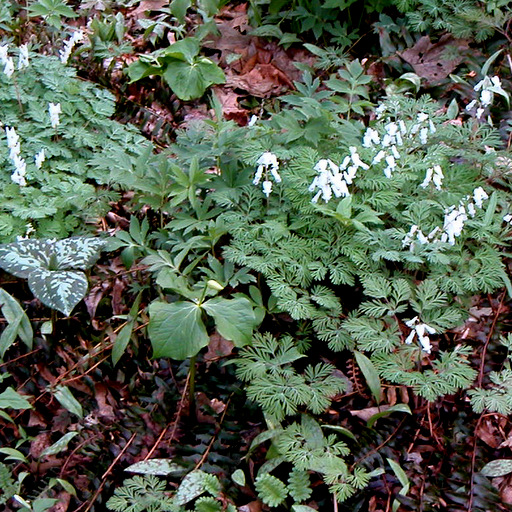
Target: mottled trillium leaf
[
  {"x": 58, "y": 446},
  {"x": 53, "y": 267},
  {"x": 160, "y": 467},
  {"x": 499, "y": 467},
  {"x": 60, "y": 290},
  {"x": 192, "y": 486}
]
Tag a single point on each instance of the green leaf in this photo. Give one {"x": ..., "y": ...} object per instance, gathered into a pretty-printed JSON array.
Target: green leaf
[
  {"x": 342, "y": 430},
  {"x": 12, "y": 399},
  {"x": 176, "y": 330},
  {"x": 68, "y": 401},
  {"x": 271, "y": 490},
  {"x": 400, "y": 474},
  {"x": 121, "y": 342},
  {"x": 370, "y": 374},
  {"x": 162, "y": 467},
  {"x": 14, "y": 314},
  {"x": 395, "y": 408},
  {"x": 138, "y": 70},
  {"x": 498, "y": 467},
  {"x": 234, "y": 318},
  {"x": 186, "y": 50},
  {"x": 13, "y": 454},
  {"x": 179, "y": 9},
  {"x": 190, "y": 80},
  {"x": 59, "y": 446},
  {"x": 238, "y": 477},
  {"x": 60, "y": 290}
]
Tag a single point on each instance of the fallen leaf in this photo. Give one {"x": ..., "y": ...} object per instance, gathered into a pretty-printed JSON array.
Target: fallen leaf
[
  {"x": 253, "y": 506},
  {"x": 63, "y": 504},
  {"x": 218, "y": 347},
  {"x": 102, "y": 396},
  {"x": 488, "y": 433},
  {"x": 435, "y": 61},
  {"x": 39, "y": 444},
  {"x": 366, "y": 414}
]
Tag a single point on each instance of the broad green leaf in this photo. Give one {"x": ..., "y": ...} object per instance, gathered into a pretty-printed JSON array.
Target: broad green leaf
[
  {"x": 303, "y": 508},
  {"x": 138, "y": 70},
  {"x": 59, "y": 446},
  {"x": 179, "y": 9},
  {"x": 176, "y": 330},
  {"x": 162, "y": 467},
  {"x": 238, "y": 477},
  {"x": 12, "y": 399},
  {"x": 190, "y": 80},
  {"x": 43, "y": 504},
  {"x": 234, "y": 318},
  {"x": 13, "y": 454},
  {"x": 498, "y": 467},
  {"x": 190, "y": 488},
  {"x": 370, "y": 374},
  {"x": 390, "y": 410},
  {"x": 60, "y": 290},
  {"x": 15, "y": 316},
  {"x": 64, "y": 484},
  {"x": 185, "y": 50},
  {"x": 68, "y": 401}
]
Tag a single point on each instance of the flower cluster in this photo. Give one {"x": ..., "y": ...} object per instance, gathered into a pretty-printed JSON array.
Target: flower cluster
[
  {"x": 8, "y": 62},
  {"x": 20, "y": 166},
  {"x": 267, "y": 162},
  {"x": 54, "y": 111},
  {"x": 487, "y": 88},
  {"x": 333, "y": 179},
  {"x": 454, "y": 219},
  {"x": 69, "y": 44},
  {"x": 419, "y": 330}
]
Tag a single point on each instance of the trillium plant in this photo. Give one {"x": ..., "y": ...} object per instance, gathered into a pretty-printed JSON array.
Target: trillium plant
[{"x": 54, "y": 269}]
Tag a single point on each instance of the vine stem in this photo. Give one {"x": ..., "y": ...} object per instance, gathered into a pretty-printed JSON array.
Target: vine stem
[
  {"x": 487, "y": 341},
  {"x": 192, "y": 387}
]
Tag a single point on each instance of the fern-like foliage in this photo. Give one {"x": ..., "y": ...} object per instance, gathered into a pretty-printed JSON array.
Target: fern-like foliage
[
  {"x": 142, "y": 494},
  {"x": 275, "y": 384},
  {"x": 7, "y": 485}
]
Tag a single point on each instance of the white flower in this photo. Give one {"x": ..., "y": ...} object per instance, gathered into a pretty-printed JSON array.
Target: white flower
[
  {"x": 471, "y": 105},
  {"x": 267, "y": 187},
  {"x": 18, "y": 179},
  {"x": 379, "y": 157},
  {"x": 39, "y": 158},
  {"x": 54, "y": 110},
  {"x": 428, "y": 178},
  {"x": 479, "y": 196},
  {"x": 12, "y": 137},
  {"x": 370, "y": 138},
  {"x": 267, "y": 162},
  {"x": 23, "y": 57},
  {"x": 330, "y": 180},
  {"x": 422, "y": 117},
  {"x": 424, "y": 135},
  {"x": 356, "y": 159},
  {"x": 252, "y": 121},
  {"x": 418, "y": 330},
  {"x": 454, "y": 220},
  {"x": 4, "y": 49},
  {"x": 65, "y": 53},
  {"x": 508, "y": 218},
  {"x": 9, "y": 67},
  {"x": 438, "y": 177},
  {"x": 395, "y": 152}
]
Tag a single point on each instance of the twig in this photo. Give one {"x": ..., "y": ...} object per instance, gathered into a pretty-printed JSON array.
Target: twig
[
  {"x": 175, "y": 424},
  {"x": 487, "y": 341},
  {"x": 105, "y": 476},
  {"x": 20, "y": 357},
  {"x": 210, "y": 444},
  {"x": 473, "y": 464}
]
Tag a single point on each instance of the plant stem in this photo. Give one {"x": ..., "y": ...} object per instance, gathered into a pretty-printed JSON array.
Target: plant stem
[{"x": 191, "y": 388}]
